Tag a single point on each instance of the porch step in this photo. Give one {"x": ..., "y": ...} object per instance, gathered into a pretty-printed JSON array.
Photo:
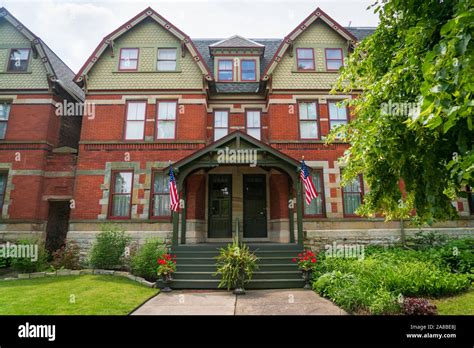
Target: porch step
[
  {"x": 253, "y": 284},
  {"x": 256, "y": 275},
  {"x": 196, "y": 265}
]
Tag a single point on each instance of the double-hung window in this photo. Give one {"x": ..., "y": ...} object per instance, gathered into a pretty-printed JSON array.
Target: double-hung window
[
  {"x": 308, "y": 117},
  {"x": 305, "y": 58},
  {"x": 121, "y": 194},
  {"x": 3, "y": 186},
  {"x": 352, "y": 195},
  {"x": 248, "y": 67},
  {"x": 18, "y": 61},
  {"x": 135, "y": 126},
  {"x": 166, "y": 59},
  {"x": 225, "y": 70},
  {"x": 166, "y": 120},
  {"x": 4, "y": 115},
  {"x": 334, "y": 59},
  {"x": 316, "y": 208},
  {"x": 221, "y": 124},
  {"x": 128, "y": 59},
  {"x": 253, "y": 123},
  {"x": 337, "y": 114},
  {"x": 160, "y": 196}
]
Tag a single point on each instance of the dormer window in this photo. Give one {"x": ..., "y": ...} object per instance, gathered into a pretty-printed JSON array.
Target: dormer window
[
  {"x": 305, "y": 59},
  {"x": 128, "y": 59},
  {"x": 18, "y": 61},
  {"x": 225, "y": 71},
  {"x": 248, "y": 67},
  {"x": 166, "y": 59}
]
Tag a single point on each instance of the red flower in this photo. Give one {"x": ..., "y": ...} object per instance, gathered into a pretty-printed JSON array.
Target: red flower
[
  {"x": 294, "y": 259},
  {"x": 313, "y": 260},
  {"x": 299, "y": 254}
]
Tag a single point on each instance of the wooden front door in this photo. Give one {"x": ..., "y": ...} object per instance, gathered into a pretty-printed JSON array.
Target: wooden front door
[
  {"x": 255, "y": 206},
  {"x": 220, "y": 206}
]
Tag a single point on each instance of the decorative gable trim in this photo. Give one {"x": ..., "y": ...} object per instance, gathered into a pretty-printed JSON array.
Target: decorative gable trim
[
  {"x": 107, "y": 42},
  {"x": 291, "y": 37}
]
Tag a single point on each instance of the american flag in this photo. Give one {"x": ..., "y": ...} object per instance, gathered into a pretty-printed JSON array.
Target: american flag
[
  {"x": 174, "y": 199},
  {"x": 309, "y": 190}
]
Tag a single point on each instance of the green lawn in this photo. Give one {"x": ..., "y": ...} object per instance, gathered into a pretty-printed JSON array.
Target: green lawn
[
  {"x": 72, "y": 295},
  {"x": 462, "y": 304}
]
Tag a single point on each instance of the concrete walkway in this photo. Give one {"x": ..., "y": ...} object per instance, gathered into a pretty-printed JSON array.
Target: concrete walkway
[{"x": 254, "y": 302}]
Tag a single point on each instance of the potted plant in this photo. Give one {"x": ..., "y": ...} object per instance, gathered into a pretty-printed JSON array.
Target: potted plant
[
  {"x": 236, "y": 265},
  {"x": 165, "y": 270},
  {"x": 306, "y": 262}
]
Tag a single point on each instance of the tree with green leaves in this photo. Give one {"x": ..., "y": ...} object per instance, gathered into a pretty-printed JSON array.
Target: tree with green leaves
[{"x": 414, "y": 115}]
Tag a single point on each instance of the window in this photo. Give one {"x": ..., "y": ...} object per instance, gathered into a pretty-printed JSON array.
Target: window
[
  {"x": 128, "y": 59},
  {"x": 308, "y": 120},
  {"x": 166, "y": 59},
  {"x": 4, "y": 114},
  {"x": 3, "y": 186},
  {"x": 253, "y": 124},
  {"x": 316, "y": 208},
  {"x": 352, "y": 196},
  {"x": 337, "y": 114},
  {"x": 221, "y": 122},
  {"x": 225, "y": 70},
  {"x": 160, "y": 196},
  {"x": 121, "y": 195},
  {"x": 135, "y": 126},
  {"x": 166, "y": 124},
  {"x": 333, "y": 58},
  {"x": 305, "y": 58},
  {"x": 18, "y": 59},
  {"x": 248, "y": 70}
]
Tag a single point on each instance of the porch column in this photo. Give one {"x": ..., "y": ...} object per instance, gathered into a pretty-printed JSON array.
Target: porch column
[
  {"x": 291, "y": 211},
  {"x": 299, "y": 211},
  {"x": 183, "y": 215}
]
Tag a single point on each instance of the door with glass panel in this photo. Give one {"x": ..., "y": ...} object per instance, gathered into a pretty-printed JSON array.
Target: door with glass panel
[{"x": 220, "y": 206}]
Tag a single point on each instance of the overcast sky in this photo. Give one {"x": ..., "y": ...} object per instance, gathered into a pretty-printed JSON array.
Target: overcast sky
[{"x": 73, "y": 28}]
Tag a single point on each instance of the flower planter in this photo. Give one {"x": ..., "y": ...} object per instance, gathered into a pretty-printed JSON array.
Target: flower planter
[
  {"x": 167, "y": 279},
  {"x": 307, "y": 275}
]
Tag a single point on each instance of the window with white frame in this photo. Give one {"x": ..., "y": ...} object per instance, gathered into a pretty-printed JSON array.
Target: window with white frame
[
  {"x": 253, "y": 124},
  {"x": 166, "y": 59},
  {"x": 166, "y": 120},
  {"x": 135, "y": 125},
  {"x": 221, "y": 124}
]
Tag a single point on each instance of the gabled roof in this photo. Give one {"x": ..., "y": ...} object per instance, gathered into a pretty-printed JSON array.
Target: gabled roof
[
  {"x": 147, "y": 13},
  {"x": 57, "y": 71},
  {"x": 236, "y": 41},
  {"x": 289, "y": 39}
]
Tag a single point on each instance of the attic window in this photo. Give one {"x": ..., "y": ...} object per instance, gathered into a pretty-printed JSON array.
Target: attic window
[
  {"x": 18, "y": 59},
  {"x": 166, "y": 59},
  {"x": 334, "y": 59},
  {"x": 128, "y": 59},
  {"x": 225, "y": 71},
  {"x": 248, "y": 70},
  {"x": 305, "y": 58}
]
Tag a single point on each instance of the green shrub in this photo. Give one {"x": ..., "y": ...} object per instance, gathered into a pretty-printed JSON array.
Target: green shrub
[
  {"x": 68, "y": 256},
  {"x": 144, "y": 261},
  {"x": 108, "y": 251},
  {"x": 27, "y": 264},
  {"x": 374, "y": 284}
]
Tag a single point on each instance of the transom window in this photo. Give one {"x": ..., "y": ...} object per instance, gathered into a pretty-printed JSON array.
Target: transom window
[
  {"x": 135, "y": 126},
  {"x": 305, "y": 58},
  {"x": 308, "y": 120},
  {"x": 18, "y": 61},
  {"x": 337, "y": 114},
  {"x": 121, "y": 194},
  {"x": 248, "y": 69},
  {"x": 160, "y": 195},
  {"x": 166, "y": 123},
  {"x": 225, "y": 70},
  {"x": 334, "y": 58},
  {"x": 4, "y": 115},
  {"x": 316, "y": 208},
  {"x": 166, "y": 59},
  {"x": 128, "y": 59},
  {"x": 253, "y": 124},
  {"x": 352, "y": 196},
  {"x": 221, "y": 123},
  {"x": 3, "y": 186}
]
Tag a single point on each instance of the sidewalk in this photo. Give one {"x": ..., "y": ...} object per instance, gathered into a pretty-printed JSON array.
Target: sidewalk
[{"x": 254, "y": 302}]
